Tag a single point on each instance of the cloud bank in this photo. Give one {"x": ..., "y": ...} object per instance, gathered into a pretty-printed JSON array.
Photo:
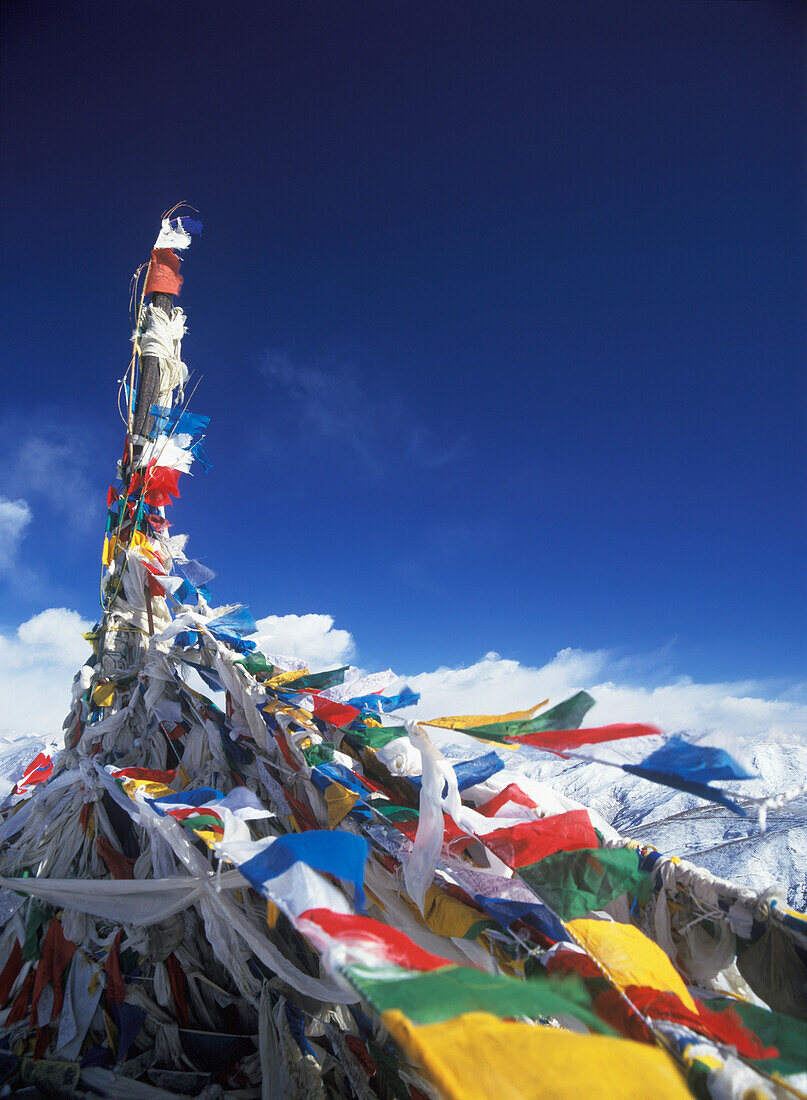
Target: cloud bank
[
  {"x": 39, "y": 659},
  {"x": 37, "y": 665},
  {"x": 309, "y": 638},
  {"x": 496, "y": 684}
]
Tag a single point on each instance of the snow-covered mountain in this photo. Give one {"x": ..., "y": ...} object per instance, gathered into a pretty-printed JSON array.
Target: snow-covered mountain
[
  {"x": 674, "y": 822},
  {"x": 17, "y": 750}
]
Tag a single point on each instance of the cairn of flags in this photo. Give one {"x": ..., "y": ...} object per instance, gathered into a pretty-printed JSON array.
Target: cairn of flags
[{"x": 242, "y": 878}]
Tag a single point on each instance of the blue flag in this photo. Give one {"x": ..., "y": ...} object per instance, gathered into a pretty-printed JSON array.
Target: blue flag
[{"x": 330, "y": 853}]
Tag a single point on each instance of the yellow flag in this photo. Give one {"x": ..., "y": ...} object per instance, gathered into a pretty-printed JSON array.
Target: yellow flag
[
  {"x": 466, "y": 721},
  {"x": 447, "y": 915},
  {"x": 630, "y": 957},
  {"x": 478, "y": 1056},
  {"x": 340, "y": 802},
  {"x": 282, "y": 677},
  {"x": 148, "y": 786},
  {"x": 138, "y": 541},
  {"x": 103, "y": 695}
]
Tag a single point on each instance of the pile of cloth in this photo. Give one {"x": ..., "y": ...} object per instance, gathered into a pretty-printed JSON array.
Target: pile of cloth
[{"x": 246, "y": 878}]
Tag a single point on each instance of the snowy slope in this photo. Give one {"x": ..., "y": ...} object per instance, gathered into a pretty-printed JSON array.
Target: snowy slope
[
  {"x": 681, "y": 824},
  {"x": 675, "y": 823},
  {"x": 17, "y": 750}
]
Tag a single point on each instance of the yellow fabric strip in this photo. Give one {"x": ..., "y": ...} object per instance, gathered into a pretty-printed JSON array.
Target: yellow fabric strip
[
  {"x": 464, "y": 721},
  {"x": 444, "y": 914},
  {"x": 303, "y": 717},
  {"x": 282, "y": 677},
  {"x": 138, "y": 541},
  {"x": 210, "y": 838},
  {"x": 630, "y": 957},
  {"x": 340, "y": 802},
  {"x": 148, "y": 786},
  {"x": 478, "y": 1056},
  {"x": 103, "y": 695}
]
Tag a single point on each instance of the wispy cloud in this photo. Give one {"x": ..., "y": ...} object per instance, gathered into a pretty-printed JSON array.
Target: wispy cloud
[
  {"x": 15, "y": 515},
  {"x": 53, "y": 466},
  {"x": 336, "y": 402}
]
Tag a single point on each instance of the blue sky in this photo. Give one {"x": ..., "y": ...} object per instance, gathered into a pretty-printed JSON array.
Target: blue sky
[{"x": 498, "y": 307}]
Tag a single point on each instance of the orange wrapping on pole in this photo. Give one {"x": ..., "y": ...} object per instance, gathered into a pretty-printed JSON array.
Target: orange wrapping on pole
[{"x": 163, "y": 276}]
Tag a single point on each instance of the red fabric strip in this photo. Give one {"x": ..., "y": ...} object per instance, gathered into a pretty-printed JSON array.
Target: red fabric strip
[
  {"x": 163, "y": 273},
  {"x": 20, "y": 1006},
  {"x": 612, "y": 1007},
  {"x": 530, "y": 841},
  {"x": 118, "y": 865},
  {"x": 724, "y": 1027},
  {"x": 455, "y": 840},
  {"x": 338, "y": 714},
  {"x": 365, "y": 932},
  {"x": 115, "y": 989},
  {"x": 40, "y": 769},
  {"x": 285, "y": 751},
  {"x": 42, "y": 1042},
  {"x": 559, "y": 740},
  {"x": 569, "y": 961},
  {"x": 173, "y": 730},
  {"x": 56, "y": 954},
  {"x": 10, "y": 971},
  {"x": 305, "y": 819},
  {"x": 160, "y": 482},
  {"x": 358, "y": 1048},
  {"x": 179, "y": 988},
  {"x": 147, "y": 773},
  {"x": 511, "y": 793}
]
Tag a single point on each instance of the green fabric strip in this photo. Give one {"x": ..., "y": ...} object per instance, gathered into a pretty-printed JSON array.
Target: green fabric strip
[
  {"x": 435, "y": 995},
  {"x": 318, "y": 681},
  {"x": 38, "y": 914},
  {"x": 397, "y": 813},
  {"x": 318, "y": 754},
  {"x": 565, "y": 716},
  {"x": 575, "y": 883},
  {"x": 256, "y": 664},
  {"x": 202, "y": 821},
  {"x": 375, "y": 737},
  {"x": 775, "y": 1029}
]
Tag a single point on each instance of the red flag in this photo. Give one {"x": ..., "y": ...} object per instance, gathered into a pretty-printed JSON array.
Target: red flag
[
  {"x": 10, "y": 971},
  {"x": 179, "y": 988},
  {"x": 40, "y": 769},
  {"x": 115, "y": 989},
  {"x": 163, "y": 273},
  {"x": 151, "y": 774},
  {"x": 338, "y": 714},
  {"x": 56, "y": 954},
  {"x": 511, "y": 793},
  {"x": 559, "y": 740},
  {"x": 392, "y": 945},
  {"x": 529, "y": 841}
]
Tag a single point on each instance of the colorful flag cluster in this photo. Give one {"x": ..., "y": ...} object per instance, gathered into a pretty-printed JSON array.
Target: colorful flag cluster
[{"x": 280, "y": 865}]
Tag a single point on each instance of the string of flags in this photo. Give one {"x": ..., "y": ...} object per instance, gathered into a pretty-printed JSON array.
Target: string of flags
[{"x": 246, "y": 878}]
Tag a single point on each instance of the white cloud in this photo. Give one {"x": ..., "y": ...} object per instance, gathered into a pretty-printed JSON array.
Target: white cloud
[
  {"x": 15, "y": 515},
  {"x": 37, "y": 665},
  {"x": 310, "y": 638},
  {"x": 495, "y": 685}
]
